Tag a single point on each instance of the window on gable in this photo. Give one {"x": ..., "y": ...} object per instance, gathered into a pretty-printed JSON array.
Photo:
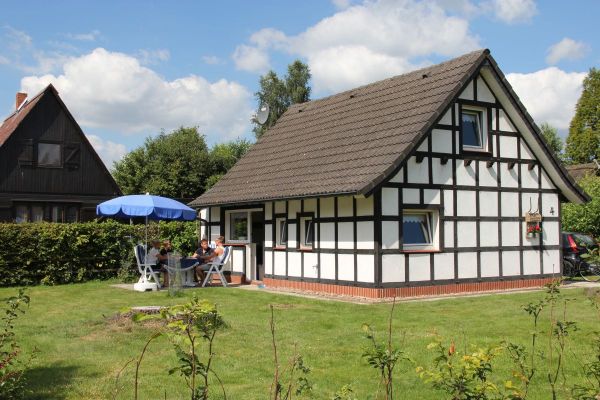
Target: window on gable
[
  {"x": 280, "y": 232},
  {"x": 307, "y": 232},
  {"x": 49, "y": 155},
  {"x": 419, "y": 229},
  {"x": 473, "y": 129}
]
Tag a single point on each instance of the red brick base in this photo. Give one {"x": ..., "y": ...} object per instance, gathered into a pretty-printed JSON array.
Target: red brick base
[
  {"x": 235, "y": 279},
  {"x": 433, "y": 290}
]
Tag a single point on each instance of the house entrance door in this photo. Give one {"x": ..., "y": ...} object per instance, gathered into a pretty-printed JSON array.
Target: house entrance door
[{"x": 258, "y": 239}]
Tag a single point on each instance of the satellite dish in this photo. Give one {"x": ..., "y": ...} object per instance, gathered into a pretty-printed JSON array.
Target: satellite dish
[{"x": 262, "y": 115}]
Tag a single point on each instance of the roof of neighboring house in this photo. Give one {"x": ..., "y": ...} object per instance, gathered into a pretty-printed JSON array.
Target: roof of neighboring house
[
  {"x": 578, "y": 171},
  {"x": 11, "y": 123},
  {"x": 350, "y": 142}
]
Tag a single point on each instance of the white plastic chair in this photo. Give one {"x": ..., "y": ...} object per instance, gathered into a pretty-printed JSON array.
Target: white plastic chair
[
  {"x": 147, "y": 274},
  {"x": 216, "y": 267}
]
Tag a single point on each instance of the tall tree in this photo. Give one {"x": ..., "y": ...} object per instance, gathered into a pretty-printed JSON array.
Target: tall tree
[
  {"x": 583, "y": 142},
  {"x": 550, "y": 135},
  {"x": 280, "y": 94},
  {"x": 223, "y": 156}
]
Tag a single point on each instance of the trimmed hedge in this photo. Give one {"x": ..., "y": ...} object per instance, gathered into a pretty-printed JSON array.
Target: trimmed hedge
[{"x": 51, "y": 253}]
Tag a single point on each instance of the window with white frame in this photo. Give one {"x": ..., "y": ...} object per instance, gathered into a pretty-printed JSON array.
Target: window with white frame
[
  {"x": 307, "y": 232},
  {"x": 474, "y": 128},
  {"x": 420, "y": 229},
  {"x": 280, "y": 232},
  {"x": 238, "y": 224}
]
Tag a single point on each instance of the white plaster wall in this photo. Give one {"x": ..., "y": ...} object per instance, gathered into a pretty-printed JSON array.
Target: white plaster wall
[
  {"x": 215, "y": 232},
  {"x": 490, "y": 264},
  {"x": 392, "y": 268},
  {"x": 551, "y": 261},
  {"x": 511, "y": 263},
  {"x": 410, "y": 196},
  {"x": 237, "y": 260},
  {"x": 417, "y": 172},
  {"x": 488, "y": 204},
  {"x": 389, "y": 201},
  {"x": 346, "y": 267},
  {"x": 398, "y": 178},
  {"x": 311, "y": 265},
  {"x": 441, "y": 173},
  {"x": 441, "y": 141},
  {"x": 280, "y": 207},
  {"x": 466, "y": 202},
  {"x": 509, "y": 177},
  {"x": 215, "y": 214},
  {"x": 364, "y": 206},
  {"x": 365, "y": 235},
  {"x": 423, "y": 146},
  {"x": 419, "y": 267},
  {"x": 546, "y": 182},
  {"x": 510, "y": 204},
  {"x": 510, "y": 233},
  {"x": 279, "y": 266},
  {"x": 531, "y": 262},
  {"x": 293, "y": 208},
  {"x": 268, "y": 210},
  {"x": 203, "y": 213},
  {"x": 345, "y": 235},
  {"x": 505, "y": 124},
  {"x": 467, "y": 94},
  {"x": 446, "y": 118},
  {"x": 508, "y": 147},
  {"x": 431, "y": 196},
  {"x": 327, "y": 235},
  {"x": 494, "y": 122},
  {"x": 365, "y": 268},
  {"x": 389, "y": 233},
  {"x": 310, "y": 205},
  {"x": 488, "y": 176},
  {"x": 483, "y": 92},
  {"x": 268, "y": 235},
  {"x": 529, "y": 179},
  {"x": 448, "y": 202},
  {"x": 294, "y": 264},
  {"x": 465, "y": 175},
  {"x": 291, "y": 238},
  {"x": 327, "y": 207},
  {"x": 488, "y": 234},
  {"x": 467, "y": 234},
  {"x": 550, "y": 233},
  {"x": 448, "y": 234},
  {"x": 443, "y": 266},
  {"x": 345, "y": 206},
  {"x": 327, "y": 266},
  {"x": 549, "y": 202},
  {"x": 525, "y": 151},
  {"x": 467, "y": 265},
  {"x": 268, "y": 262},
  {"x": 526, "y": 199}
]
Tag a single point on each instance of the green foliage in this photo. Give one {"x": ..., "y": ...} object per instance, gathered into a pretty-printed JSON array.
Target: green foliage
[
  {"x": 50, "y": 253},
  {"x": 12, "y": 366},
  {"x": 223, "y": 156},
  {"x": 554, "y": 142},
  {"x": 584, "y": 218},
  {"x": 280, "y": 94},
  {"x": 583, "y": 141},
  {"x": 345, "y": 393}
]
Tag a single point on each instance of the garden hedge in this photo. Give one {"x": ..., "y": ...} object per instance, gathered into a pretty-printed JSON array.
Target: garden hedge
[{"x": 52, "y": 253}]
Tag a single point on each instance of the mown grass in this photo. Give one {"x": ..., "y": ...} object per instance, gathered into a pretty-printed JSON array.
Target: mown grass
[{"x": 82, "y": 347}]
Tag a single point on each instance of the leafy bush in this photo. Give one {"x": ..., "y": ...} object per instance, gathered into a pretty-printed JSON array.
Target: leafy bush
[
  {"x": 50, "y": 253},
  {"x": 584, "y": 217}
]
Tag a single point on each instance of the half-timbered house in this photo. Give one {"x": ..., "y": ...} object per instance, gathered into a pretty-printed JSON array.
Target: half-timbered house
[
  {"x": 48, "y": 169},
  {"x": 436, "y": 181}
]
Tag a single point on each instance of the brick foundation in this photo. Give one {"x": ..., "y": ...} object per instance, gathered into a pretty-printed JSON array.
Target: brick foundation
[
  {"x": 433, "y": 290},
  {"x": 235, "y": 279}
]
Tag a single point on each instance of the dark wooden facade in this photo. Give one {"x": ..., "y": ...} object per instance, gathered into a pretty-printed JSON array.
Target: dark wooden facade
[{"x": 74, "y": 179}]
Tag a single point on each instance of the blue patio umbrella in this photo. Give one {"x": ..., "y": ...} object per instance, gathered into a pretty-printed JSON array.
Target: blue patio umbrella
[{"x": 146, "y": 206}]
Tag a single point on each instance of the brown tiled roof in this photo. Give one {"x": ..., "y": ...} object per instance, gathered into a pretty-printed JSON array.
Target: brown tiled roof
[
  {"x": 11, "y": 123},
  {"x": 345, "y": 143},
  {"x": 578, "y": 171}
]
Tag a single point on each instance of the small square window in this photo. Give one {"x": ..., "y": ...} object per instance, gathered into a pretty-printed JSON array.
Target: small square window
[
  {"x": 419, "y": 230},
  {"x": 49, "y": 155},
  {"x": 238, "y": 226},
  {"x": 281, "y": 232},
  {"x": 473, "y": 129},
  {"x": 307, "y": 232}
]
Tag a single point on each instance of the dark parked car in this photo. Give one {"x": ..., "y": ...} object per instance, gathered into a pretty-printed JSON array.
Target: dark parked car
[{"x": 574, "y": 246}]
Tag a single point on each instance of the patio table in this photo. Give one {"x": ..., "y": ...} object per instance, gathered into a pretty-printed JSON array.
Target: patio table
[{"x": 182, "y": 268}]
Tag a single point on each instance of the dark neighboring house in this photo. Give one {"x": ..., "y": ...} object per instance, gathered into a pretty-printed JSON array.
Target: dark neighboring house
[
  {"x": 49, "y": 171},
  {"x": 578, "y": 171}
]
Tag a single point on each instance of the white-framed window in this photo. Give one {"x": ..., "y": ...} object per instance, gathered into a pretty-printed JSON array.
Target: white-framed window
[
  {"x": 420, "y": 229},
  {"x": 49, "y": 155},
  {"x": 307, "y": 232},
  {"x": 474, "y": 128},
  {"x": 238, "y": 225},
  {"x": 280, "y": 232}
]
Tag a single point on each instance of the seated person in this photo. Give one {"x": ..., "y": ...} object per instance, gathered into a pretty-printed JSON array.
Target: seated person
[
  {"x": 158, "y": 256},
  {"x": 209, "y": 255}
]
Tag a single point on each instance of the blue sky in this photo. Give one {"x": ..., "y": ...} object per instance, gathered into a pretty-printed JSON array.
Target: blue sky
[{"x": 128, "y": 69}]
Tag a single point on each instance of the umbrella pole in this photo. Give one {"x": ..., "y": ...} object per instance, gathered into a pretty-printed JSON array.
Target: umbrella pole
[{"x": 146, "y": 244}]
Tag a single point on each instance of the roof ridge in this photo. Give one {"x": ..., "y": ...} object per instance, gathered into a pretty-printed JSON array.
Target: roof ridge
[{"x": 27, "y": 101}]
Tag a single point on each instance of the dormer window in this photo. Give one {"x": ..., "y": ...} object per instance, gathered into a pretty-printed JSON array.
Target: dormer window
[
  {"x": 49, "y": 155},
  {"x": 473, "y": 129}
]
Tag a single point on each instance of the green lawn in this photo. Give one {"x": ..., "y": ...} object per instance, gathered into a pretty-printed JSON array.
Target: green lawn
[{"x": 82, "y": 348}]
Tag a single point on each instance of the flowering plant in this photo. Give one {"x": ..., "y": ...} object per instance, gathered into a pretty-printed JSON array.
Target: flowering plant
[{"x": 534, "y": 229}]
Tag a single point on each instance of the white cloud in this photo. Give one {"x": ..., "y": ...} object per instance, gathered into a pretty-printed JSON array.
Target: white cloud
[
  {"x": 512, "y": 11},
  {"x": 108, "y": 151},
  {"x": 212, "y": 60},
  {"x": 566, "y": 49},
  {"x": 150, "y": 57},
  {"x": 341, "y": 4},
  {"x": 550, "y": 95},
  {"x": 17, "y": 39},
  {"x": 113, "y": 91},
  {"x": 85, "y": 37},
  {"x": 251, "y": 59}
]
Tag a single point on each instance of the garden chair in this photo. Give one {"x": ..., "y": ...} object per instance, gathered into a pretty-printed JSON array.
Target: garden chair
[
  {"x": 148, "y": 279},
  {"x": 216, "y": 268}
]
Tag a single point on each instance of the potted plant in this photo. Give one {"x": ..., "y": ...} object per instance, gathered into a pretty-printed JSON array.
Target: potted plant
[{"x": 533, "y": 230}]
